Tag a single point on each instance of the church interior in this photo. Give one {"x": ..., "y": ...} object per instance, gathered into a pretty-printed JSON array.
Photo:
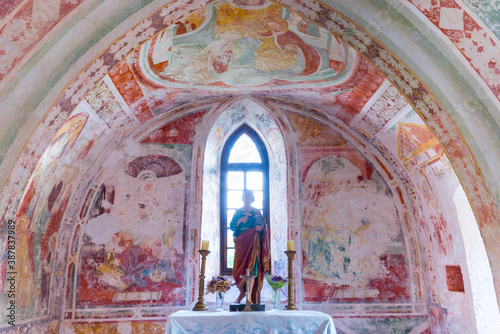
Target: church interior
[{"x": 379, "y": 120}]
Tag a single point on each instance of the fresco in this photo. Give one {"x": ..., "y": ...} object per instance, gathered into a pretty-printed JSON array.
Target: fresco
[
  {"x": 185, "y": 27},
  {"x": 459, "y": 23},
  {"x": 383, "y": 110},
  {"x": 370, "y": 48},
  {"x": 313, "y": 133},
  {"x": 133, "y": 243},
  {"x": 27, "y": 26},
  {"x": 106, "y": 106},
  {"x": 122, "y": 78},
  {"x": 353, "y": 247},
  {"x": 42, "y": 208},
  {"x": 181, "y": 131},
  {"x": 426, "y": 165},
  {"x": 132, "y": 248},
  {"x": 232, "y": 46},
  {"x": 66, "y": 137},
  {"x": 135, "y": 327}
]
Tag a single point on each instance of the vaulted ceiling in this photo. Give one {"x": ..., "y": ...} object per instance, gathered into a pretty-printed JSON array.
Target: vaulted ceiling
[{"x": 413, "y": 81}]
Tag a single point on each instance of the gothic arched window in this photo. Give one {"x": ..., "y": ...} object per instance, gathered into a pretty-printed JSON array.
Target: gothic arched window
[{"x": 245, "y": 165}]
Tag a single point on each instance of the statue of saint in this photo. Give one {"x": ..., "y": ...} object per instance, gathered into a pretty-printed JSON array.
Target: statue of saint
[{"x": 252, "y": 251}]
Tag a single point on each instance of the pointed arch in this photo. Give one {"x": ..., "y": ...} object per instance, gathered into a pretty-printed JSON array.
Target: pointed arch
[
  {"x": 231, "y": 120},
  {"x": 247, "y": 175}
]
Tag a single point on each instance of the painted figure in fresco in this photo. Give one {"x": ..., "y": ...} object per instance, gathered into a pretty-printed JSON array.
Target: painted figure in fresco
[
  {"x": 214, "y": 60},
  {"x": 47, "y": 265},
  {"x": 305, "y": 27},
  {"x": 347, "y": 239},
  {"x": 39, "y": 207},
  {"x": 280, "y": 47},
  {"x": 128, "y": 264},
  {"x": 252, "y": 251},
  {"x": 247, "y": 46},
  {"x": 39, "y": 216},
  {"x": 184, "y": 27},
  {"x": 132, "y": 257},
  {"x": 66, "y": 137},
  {"x": 26, "y": 289},
  {"x": 52, "y": 207},
  {"x": 28, "y": 196}
]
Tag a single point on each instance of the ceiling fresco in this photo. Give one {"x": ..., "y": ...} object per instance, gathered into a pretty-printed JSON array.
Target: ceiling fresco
[
  {"x": 223, "y": 46},
  {"x": 26, "y": 22}
]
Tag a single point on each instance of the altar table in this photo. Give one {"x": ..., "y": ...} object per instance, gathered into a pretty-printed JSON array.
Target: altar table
[{"x": 275, "y": 322}]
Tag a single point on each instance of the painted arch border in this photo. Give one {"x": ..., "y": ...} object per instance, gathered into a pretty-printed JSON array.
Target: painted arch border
[{"x": 425, "y": 103}]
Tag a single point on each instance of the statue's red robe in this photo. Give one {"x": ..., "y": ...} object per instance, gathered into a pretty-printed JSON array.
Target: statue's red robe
[{"x": 251, "y": 246}]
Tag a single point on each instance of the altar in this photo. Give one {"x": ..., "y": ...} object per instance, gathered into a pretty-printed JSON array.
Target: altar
[{"x": 249, "y": 322}]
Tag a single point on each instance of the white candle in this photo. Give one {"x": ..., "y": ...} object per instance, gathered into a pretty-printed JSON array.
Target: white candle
[
  {"x": 290, "y": 245},
  {"x": 204, "y": 244}
]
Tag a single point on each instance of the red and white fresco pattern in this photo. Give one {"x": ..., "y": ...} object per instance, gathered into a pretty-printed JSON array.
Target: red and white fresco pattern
[
  {"x": 477, "y": 44},
  {"x": 24, "y": 27},
  {"x": 382, "y": 111},
  {"x": 25, "y": 24},
  {"x": 107, "y": 107}
]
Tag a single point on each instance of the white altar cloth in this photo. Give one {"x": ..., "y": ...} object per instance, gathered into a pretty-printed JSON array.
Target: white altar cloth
[{"x": 275, "y": 322}]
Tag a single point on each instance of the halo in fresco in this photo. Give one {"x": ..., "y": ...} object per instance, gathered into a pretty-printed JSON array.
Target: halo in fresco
[{"x": 228, "y": 45}]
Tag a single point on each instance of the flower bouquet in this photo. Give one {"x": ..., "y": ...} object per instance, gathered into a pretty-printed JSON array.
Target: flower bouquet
[
  {"x": 219, "y": 285},
  {"x": 276, "y": 283}
]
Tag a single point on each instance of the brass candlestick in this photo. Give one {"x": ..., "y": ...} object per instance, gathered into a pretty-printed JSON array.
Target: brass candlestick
[
  {"x": 200, "y": 305},
  {"x": 290, "y": 305}
]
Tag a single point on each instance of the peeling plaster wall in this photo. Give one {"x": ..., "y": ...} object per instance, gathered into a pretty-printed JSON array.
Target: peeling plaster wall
[
  {"x": 136, "y": 252},
  {"x": 353, "y": 243},
  {"x": 133, "y": 249}
]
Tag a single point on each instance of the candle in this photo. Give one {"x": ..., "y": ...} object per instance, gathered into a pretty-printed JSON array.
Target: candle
[
  {"x": 290, "y": 245},
  {"x": 204, "y": 244}
]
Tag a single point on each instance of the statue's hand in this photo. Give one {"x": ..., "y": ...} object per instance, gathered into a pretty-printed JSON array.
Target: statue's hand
[
  {"x": 242, "y": 220},
  {"x": 259, "y": 227}
]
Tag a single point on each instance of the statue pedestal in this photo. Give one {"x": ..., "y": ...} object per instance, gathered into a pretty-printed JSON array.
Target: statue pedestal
[{"x": 240, "y": 307}]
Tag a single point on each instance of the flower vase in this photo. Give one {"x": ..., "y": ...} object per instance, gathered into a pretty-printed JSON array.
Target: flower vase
[
  {"x": 219, "y": 300},
  {"x": 276, "y": 299}
]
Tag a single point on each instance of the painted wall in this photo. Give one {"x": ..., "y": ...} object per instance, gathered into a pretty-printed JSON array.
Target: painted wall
[
  {"x": 353, "y": 243},
  {"x": 357, "y": 248},
  {"x": 59, "y": 171}
]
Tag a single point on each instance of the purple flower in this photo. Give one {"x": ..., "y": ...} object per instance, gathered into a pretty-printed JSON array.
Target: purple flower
[{"x": 276, "y": 282}]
